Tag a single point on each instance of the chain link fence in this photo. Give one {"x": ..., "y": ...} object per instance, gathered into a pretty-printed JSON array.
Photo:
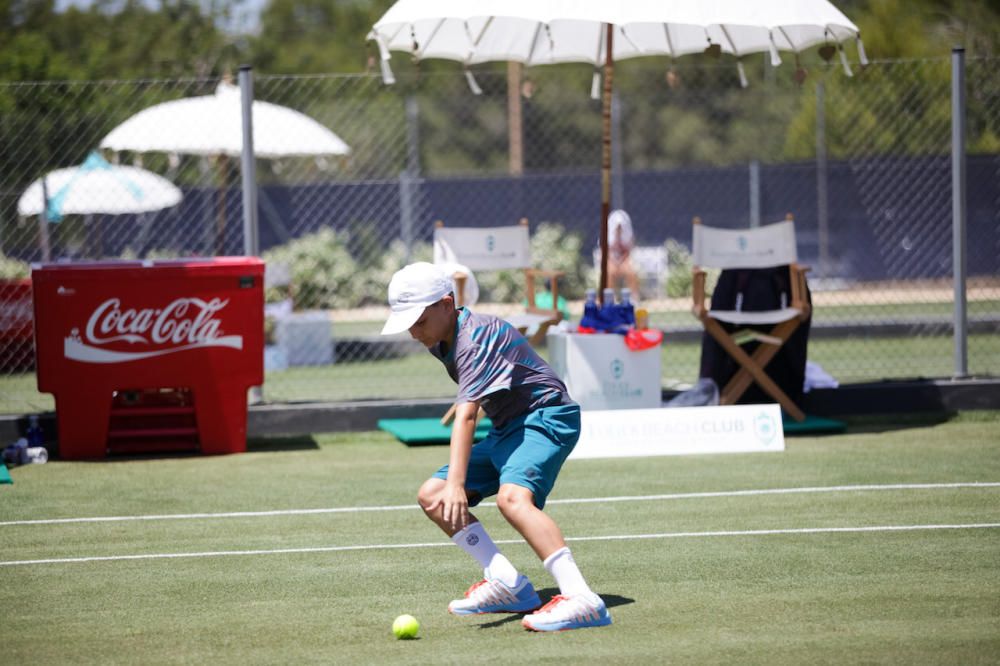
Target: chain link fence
[{"x": 862, "y": 162}]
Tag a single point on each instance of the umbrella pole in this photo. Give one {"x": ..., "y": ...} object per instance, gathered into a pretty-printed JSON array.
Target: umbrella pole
[{"x": 606, "y": 158}]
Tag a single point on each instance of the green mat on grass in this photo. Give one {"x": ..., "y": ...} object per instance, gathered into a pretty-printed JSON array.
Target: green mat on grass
[
  {"x": 5, "y": 475},
  {"x": 430, "y": 431},
  {"x": 426, "y": 431},
  {"x": 812, "y": 425}
]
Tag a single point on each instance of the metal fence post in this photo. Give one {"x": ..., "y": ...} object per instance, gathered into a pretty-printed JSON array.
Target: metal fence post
[
  {"x": 43, "y": 223},
  {"x": 515, "y": 120},
  {"x": 251, "y": 238},
  {"x": 822, "y": 202},
  {"x": 248, "y": 163},
  {"x": 408, "y": 177},
  {"x": 958, "y": 213},
  {"x": 754, "y": 194}
]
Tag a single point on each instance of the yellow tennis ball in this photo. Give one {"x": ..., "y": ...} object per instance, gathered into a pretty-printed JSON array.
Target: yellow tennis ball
[{"x": 405, "y": 626}]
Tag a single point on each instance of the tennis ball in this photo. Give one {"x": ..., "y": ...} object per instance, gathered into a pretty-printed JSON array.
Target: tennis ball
[{"x": 405, "y": 626}]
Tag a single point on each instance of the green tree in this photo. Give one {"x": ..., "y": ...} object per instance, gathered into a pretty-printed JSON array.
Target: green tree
[
  {"x": 55, "y": 124},
  {"x": 914, "y": 94},
  {"x": 315, "y": 36}
]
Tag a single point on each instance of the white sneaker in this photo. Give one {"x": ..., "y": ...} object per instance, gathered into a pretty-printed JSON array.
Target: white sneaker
[
  {"x": 492, "y": 596},
  {"x": 575, "y": 612}
]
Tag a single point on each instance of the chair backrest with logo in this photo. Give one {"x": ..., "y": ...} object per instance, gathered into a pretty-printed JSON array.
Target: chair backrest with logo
[
  {"x": 757, "y": 247},
  {"x": 486, "y": 248}
]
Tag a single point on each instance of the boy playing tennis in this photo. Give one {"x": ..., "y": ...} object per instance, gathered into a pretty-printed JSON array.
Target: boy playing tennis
[{"x": 535, "y": 426}]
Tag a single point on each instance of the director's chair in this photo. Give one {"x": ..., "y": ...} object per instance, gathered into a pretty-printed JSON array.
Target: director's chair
[{"x": 766, "y": 247}]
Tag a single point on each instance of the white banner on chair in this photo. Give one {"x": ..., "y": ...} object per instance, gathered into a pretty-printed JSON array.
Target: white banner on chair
[
  {"x": 760, "y": 247},
  {"x": 680, "y": 431},
  {"x": 493, "y": 248}
]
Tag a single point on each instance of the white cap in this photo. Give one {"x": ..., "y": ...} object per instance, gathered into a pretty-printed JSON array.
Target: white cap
[
  {"x": 411, "y": 289},
  {"x": 619, "y": 218}
]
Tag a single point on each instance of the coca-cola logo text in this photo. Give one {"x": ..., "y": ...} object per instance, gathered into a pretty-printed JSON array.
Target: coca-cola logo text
[{"x": 182, "y": 322}]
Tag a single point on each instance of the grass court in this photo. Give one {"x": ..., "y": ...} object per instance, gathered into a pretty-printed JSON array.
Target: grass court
[{"x": 881, "y": 545}]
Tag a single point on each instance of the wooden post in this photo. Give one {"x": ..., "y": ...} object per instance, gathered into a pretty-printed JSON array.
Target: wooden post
[{"x": 606, "y": 157}]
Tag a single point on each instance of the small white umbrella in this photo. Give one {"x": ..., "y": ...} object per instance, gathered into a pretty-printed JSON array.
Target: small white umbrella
[
  {"x": 538, "y": 32},
  {"x": 97, "y": 187},
  {"x": 213, "y": 125}
]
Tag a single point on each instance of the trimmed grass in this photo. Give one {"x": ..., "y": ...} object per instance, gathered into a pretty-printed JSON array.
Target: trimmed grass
[
  {"x": 860, "y": 313},
  {"x": 420, "y": 375},
  {"x": 888, "y": 597},
  {"x": 851, "y": 359}
]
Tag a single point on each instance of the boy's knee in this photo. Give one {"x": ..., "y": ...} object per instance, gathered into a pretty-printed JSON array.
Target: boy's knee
[
  {"x": 512, "y": 499},
  {"x": 428, "y": 492}
]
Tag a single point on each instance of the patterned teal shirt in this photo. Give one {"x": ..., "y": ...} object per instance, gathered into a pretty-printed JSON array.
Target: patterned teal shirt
[{"x": 493, "y": 363}]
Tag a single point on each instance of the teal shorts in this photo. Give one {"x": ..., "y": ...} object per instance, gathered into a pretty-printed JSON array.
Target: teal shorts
[{"x": 528, "y": 452}]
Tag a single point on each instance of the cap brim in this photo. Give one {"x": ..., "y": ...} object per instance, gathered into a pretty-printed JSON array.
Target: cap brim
[{"x": 400, "y": 322}]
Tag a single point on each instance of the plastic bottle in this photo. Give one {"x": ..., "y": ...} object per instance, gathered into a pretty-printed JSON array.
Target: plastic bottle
[
  {"x": 34, "y": 455},
  {"x": 14, "y": 453},
  {"x": 610, "y": 317},
  {"x": 626, "y": 309},
  {"x": 35, "y": 435},
  {"x": 591, "y": 313},
  {"x": 641, "y": 319}
]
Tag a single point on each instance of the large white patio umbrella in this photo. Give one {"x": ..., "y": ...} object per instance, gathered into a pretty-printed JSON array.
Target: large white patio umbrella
[
  {"x": 212, "y": 125},
  {"x": 539, "y": 32}
]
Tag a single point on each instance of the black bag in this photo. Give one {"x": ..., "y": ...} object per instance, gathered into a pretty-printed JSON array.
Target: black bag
[{"x": 755, "y": 290}]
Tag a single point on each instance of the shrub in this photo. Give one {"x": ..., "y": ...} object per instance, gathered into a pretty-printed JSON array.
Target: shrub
[
  {"x": 376, "y": 278},
  {"x": 323, "y": 273},
  {"x": 326, "y": 274},
  {"x": 679, "y": 280},
  {"x": 13, "y": 269},
  {"x": 131, "y": 254}
]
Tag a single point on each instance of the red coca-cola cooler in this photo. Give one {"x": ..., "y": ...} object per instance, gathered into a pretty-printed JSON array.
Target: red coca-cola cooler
[{"x": 150, "y": 356}]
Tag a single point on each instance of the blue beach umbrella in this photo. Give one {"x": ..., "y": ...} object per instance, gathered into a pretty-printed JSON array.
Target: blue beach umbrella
[{"x": 96, "y": 186}]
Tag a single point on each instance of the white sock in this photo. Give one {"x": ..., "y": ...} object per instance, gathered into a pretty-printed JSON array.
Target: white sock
[
  {"x": 563, "y": 568},
  {"x": 476, "y": 542}
]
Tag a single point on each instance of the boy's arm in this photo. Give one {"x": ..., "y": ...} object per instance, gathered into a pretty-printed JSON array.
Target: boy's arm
[{"x": 454, "y": 497}]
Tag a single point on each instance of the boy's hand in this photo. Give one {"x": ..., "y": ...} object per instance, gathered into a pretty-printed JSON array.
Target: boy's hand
[
  {"x": 455, "y": 506},
  {"x": 453, "y": 500}
]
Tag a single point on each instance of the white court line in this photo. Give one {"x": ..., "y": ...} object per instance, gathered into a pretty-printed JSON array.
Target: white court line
[
  {"x": 614, "y": 537},
  {"x": 581, "y": 500}
]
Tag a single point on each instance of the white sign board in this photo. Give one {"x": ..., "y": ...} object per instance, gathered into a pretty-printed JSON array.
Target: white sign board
[
  {"x": 680, "y": 431},
  {"x": 600, "y": 372}
]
